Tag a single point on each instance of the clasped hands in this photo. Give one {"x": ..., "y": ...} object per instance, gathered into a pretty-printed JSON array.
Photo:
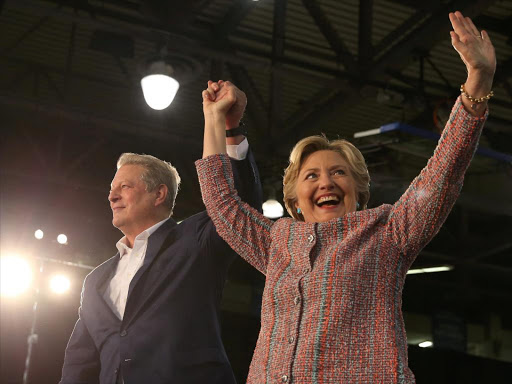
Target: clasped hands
[{"x": 223, "y": 100}]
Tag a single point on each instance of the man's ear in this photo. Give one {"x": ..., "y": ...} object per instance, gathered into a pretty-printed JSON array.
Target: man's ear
[{"x": 161, "y": 194}]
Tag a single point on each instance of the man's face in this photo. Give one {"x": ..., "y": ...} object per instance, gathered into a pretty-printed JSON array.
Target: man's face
[{"x": 133, "y": 207}]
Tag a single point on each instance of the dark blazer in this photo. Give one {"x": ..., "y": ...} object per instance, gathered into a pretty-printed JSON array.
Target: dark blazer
[{"x": 170, "y": 332}]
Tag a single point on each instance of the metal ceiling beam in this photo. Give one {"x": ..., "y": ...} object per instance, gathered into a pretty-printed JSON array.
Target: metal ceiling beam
[
  {"x": 238, "y": 11},
  {"x": 175, "y": 12},
  {"x": 276, "y": 83},
  {"x": 399, "y": 32},
  {"x": 191, "y": 44},
  {"x": 101, "y": 122},
  {"x": 331, "y": 35},
  {"x": 28, "y": 32},
  {"x": 256, "y": 108},
  {"x": 425, "y": 37},
  {"x": 365, "y": 32},
  {"x": 69, "y": 59},
  {"x": 491, "y": 23},
  {"x": 434, "y": 29}
]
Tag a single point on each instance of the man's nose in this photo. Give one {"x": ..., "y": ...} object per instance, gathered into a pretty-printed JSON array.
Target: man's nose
[{"x": 113, "y": 196}]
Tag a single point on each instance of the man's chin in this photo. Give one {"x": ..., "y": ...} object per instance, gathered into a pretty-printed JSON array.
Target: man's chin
[{"x": 117, "y": 223}]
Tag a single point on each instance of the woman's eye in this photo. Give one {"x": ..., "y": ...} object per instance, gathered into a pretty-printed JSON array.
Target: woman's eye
[
  {"x": 310, "y": 175},
  {"x": 339, "y": 172}
]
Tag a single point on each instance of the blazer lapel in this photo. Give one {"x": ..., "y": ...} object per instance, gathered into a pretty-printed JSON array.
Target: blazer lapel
[
  {"x": 109, "y": 268},
  {"x": 155, "y": 242}
]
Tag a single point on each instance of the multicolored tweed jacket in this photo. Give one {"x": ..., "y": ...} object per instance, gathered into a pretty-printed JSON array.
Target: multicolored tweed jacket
[{"x": 331, "y": 310}]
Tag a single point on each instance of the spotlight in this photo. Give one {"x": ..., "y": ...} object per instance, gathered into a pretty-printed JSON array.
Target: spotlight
[
  {"x": 62, "y": 239},
  {"x": 60, "y": 284},
  {"x": 158, "y": 86},
  {"x": 272, "y": 209},
  {"x": 16, "y": 276},
  {"x": 426, "y": 344},
  {"x": 39, "y": 234}
]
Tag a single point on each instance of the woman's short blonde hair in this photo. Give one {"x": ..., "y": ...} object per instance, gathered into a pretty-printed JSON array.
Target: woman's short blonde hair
[{"x": 311, "y": 144}]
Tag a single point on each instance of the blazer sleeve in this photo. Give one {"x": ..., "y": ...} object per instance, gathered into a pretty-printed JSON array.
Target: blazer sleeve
[
  {"x": 81, "y": 360},
  {"x": 247, "y": 180},
  {"x": 421, "y": 211},
  {"x": 244, "y": 228}
]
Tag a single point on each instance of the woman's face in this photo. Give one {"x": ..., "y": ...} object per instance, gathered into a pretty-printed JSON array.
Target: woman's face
[{"x": 325, "y": 187}]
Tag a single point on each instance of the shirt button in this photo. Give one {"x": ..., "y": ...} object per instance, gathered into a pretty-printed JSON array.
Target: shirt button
[
  {"x": 311, "y": 238},
  {"x": 127, "y": 360},
  {"x": 291, "y": 339},
  {"x": 296, "y": 300},
  {"x": 284, "y": 379},
  {"x": 123, "y": 333}
]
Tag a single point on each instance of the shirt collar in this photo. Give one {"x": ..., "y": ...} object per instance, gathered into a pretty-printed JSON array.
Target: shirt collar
[{"x": 123, "y": 248}]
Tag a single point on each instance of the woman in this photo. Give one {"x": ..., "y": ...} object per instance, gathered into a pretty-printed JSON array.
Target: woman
[{"x": 331, "y": 310}]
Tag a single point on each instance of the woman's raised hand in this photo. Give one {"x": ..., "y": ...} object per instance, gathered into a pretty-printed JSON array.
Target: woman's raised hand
[
  {"x": 477, "y": 52},
  {"x": 224, "y": 99},
  {"x": 474, "y": 47}
]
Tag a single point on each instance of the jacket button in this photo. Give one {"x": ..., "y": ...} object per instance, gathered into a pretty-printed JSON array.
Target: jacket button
[
  {"x": 296, "y": 300},
  {"x": 123, "y": 333},
  {"x": 311, "y": 238},
  {"x": 284, "y": 379},
  {"x": 291, "y": 339},
  {"x": 116, "y": 371}
]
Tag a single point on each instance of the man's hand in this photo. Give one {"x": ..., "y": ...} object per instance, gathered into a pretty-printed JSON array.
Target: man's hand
[{"x": 225, "y": 99}]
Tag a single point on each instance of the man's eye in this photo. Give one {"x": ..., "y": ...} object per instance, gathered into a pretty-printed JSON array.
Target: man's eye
[{"x": 124, "y": 186}]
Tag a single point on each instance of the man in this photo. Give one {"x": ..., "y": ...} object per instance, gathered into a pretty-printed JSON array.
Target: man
[{"x": 150, "y": 313}]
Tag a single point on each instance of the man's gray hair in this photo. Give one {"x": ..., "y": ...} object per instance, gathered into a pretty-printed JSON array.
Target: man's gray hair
[{"x": 156, "y": 172}]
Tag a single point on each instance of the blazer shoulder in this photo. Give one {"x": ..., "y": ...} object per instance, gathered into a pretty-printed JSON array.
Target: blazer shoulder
[{"x": 98, "y": 272}]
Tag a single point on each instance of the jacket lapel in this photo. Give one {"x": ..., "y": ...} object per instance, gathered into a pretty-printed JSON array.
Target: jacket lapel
[
  {"x": 108, "y": 270},
  {"x": 155, "y": 243}
]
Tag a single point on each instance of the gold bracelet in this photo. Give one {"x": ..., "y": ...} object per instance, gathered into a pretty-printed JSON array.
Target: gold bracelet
[{"x": 473, "y": 99}]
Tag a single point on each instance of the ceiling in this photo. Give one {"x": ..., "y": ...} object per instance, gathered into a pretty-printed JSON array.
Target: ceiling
[{"x": 71, "y": 103}]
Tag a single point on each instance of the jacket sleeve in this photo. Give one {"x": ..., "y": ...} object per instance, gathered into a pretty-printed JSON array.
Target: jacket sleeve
[
  {"x": 244, "y": 228},
  {"x": 81, "y": 361},
  {"x": 421, "y": 211},
  {"x": 247, "y": 180}
]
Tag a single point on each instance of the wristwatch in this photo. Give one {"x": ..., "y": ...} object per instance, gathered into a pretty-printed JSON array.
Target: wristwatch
[{"x": 236, "y": 131}]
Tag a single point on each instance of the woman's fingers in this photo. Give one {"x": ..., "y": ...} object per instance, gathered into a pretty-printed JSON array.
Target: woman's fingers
[
  {"x": 472, "y": 27},
  {"x": 457, "y": 25},
  {"x": 463, "y": 21},
  {"x": 486, "y": 37}
]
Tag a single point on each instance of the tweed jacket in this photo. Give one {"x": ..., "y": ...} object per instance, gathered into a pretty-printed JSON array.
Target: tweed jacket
[{"x": 331, "y": 310}]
